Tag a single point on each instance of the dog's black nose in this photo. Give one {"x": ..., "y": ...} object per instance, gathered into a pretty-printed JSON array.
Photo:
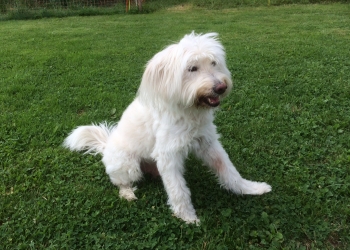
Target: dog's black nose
[{"x": 220, "y": 88}]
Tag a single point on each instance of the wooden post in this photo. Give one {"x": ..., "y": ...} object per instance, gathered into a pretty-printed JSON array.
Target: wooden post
[
  {"x": 127, "y": 5},
  {"x": 137, "y": 2}
]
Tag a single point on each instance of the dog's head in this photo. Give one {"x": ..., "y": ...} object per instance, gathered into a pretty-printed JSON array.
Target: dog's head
[{"x": 192, "y": 72}]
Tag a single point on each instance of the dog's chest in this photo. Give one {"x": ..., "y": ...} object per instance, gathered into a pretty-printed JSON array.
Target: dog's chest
[
  {"x": 188, "y": 127},
  {"x": 180, "y": 131}
]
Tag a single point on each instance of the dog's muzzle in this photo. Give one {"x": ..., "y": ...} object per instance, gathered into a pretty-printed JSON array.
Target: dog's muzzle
[
  {"x": 220, "y": 88},
  {"x": 213, "y": 100}
]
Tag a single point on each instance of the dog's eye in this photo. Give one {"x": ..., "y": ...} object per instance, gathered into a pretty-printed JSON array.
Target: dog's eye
[
  {"x": 192, "y": 69},
  {"x": 213, "y": 63}
]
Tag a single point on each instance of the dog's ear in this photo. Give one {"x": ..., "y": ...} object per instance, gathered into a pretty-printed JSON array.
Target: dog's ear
[{"x": 162, "y": 80}]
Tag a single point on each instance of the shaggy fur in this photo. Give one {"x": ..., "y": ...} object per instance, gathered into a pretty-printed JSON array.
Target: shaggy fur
[{"x": 171, "y": 116}]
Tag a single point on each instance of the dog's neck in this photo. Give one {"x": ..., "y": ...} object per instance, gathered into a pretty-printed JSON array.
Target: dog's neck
[{"x": 190, "y": 115}]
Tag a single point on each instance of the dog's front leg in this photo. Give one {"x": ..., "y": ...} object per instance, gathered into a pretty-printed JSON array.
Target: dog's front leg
[
  {"x": 214, "y": 155},
  {"x": 171, "y": 169}
]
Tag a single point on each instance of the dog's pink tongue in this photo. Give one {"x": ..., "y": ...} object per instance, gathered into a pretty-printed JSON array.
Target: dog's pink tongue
[{"x": 213, "y": 100}]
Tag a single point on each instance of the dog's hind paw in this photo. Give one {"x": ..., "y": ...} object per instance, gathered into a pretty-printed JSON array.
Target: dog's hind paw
[{"x": 127, "y": 193}]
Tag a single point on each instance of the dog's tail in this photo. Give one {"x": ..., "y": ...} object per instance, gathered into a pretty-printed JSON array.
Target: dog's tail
[{"x": 92, "y": 138}]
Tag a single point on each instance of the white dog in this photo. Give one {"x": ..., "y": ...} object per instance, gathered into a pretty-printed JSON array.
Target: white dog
[{"x": 171, "y": 116}]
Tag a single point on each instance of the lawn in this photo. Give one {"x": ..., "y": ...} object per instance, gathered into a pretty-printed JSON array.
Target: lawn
[{"x": 287, "y": 122}]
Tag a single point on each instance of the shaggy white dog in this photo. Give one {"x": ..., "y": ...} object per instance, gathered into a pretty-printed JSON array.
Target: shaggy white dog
[{"x": 171, "y": 116}]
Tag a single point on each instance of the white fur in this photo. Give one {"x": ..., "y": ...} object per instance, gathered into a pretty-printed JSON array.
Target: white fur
[{"x": 171, "y": 116}]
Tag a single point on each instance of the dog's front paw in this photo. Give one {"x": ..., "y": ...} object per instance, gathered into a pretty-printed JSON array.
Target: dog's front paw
[
  {"x": 261, "y": 188},
  {"x": 188, "y": 218},
  {"x": 196, "y": 221},
  {"x": 254, "y": 188}
]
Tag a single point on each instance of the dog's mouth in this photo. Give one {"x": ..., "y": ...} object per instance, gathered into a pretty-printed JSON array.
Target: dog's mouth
[{"x": 211, "y": 101}]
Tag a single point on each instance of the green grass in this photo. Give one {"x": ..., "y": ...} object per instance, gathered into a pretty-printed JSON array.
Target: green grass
[
  {"x": 34, "y": 9},
  {"x": 286, "y": 123}
]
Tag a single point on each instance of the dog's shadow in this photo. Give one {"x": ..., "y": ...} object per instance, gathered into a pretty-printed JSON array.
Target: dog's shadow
[
  {"x": 211, "y": 201},
  {"x": 203, "y": 184}
]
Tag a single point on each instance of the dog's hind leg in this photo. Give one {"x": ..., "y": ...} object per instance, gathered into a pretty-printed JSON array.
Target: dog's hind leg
[
  {"x": 123, "y": 170},
  {"x": 215, "y": 156}
]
